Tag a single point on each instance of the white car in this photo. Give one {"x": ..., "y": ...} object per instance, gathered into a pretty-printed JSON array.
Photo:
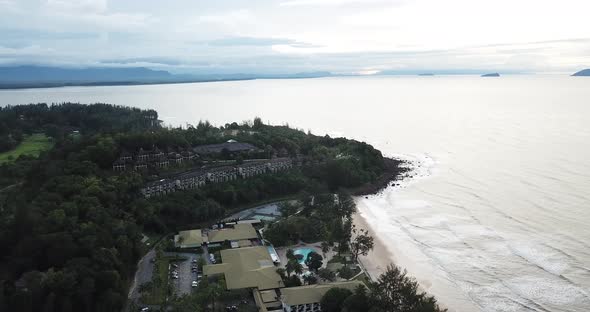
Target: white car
[{"x": 194, "y": 284}]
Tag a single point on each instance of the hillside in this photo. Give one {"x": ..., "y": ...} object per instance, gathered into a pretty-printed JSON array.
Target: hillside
[
  {"x": 583, "y": 73},
  {"x": 71, "y": 225}
]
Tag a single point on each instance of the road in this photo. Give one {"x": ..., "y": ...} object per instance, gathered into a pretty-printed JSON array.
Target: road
[{"x": 145, "y": 269}]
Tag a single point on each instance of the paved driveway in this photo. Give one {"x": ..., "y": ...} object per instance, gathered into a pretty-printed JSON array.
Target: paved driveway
[{"x": 145, "y": 269}]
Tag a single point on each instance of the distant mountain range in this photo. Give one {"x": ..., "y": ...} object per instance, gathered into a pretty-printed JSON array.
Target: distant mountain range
[
  {"x": 584, "y": 72},
  {"x": 56, "y": 74},
  {"x": 31, "y": 76},
  {"x": 43, "y": 76},
  {"x": 430, "y": 72}
]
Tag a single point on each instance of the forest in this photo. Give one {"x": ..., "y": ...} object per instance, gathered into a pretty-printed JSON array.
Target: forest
[{"x": 71, "y": 228}]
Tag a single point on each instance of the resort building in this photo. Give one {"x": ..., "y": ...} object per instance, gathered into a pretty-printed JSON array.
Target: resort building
[
  {"x": 153, "y": 158},
  {"x": 197, "y": 178},
  {"x": 254, "y": 267},
  {"x": 249, "y": 267},
  {"x": 189, "y": 239},
  {"x": 267, "y": 300},
  {"x": 230, "y": 146},
  {"x": 238, "y": 234},
  {"x": 307, "y": 298},
  {"x": 119, "y": 165}
]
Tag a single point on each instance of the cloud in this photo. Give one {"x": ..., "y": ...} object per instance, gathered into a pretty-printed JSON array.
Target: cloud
[
  {"x": 231, "y": 20},
  {"x": 294, "y": 3},
  {"x": 258, "y": 41},
  {"x": 144, "y": 60},
  {"x": 249, "y": 41},
  {"x": 85, "y": 6},
  {"x": 297, "y": 35}
]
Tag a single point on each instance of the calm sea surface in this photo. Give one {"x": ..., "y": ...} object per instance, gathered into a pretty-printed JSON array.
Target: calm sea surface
[{"x": 499, "y": 218}]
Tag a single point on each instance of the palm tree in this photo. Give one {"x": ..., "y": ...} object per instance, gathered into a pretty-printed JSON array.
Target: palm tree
[
  {"x": 281, "y": 272},
  {"x": 290, "y": 266},
  {"x": 298, "y": 268},
  {"x": 290, "y": 254}
]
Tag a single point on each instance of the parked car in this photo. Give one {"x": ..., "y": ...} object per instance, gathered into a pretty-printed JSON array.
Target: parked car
[
  {"x": 194, "y": 284},
  {"x": 145, "y": 309}
]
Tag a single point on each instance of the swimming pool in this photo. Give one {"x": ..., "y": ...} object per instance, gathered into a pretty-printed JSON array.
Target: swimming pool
[
  {"x": 273, "y": 254},
  {"x": 303, "y": 252}
]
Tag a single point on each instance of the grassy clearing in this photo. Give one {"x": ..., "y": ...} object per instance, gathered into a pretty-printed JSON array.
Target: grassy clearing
[{"x": 32, "y": 145}]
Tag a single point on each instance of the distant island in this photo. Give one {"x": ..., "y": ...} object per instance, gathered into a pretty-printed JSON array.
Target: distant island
[
  {"x": 20, "y": 77},
  {"x": 583, "y": 73},
  {"x": 491, "y": 75}
]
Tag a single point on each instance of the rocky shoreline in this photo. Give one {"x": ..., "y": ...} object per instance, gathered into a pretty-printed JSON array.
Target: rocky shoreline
[{"x": 394, "y": 171}]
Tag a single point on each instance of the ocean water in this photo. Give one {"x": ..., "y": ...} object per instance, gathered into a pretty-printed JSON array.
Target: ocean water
[{"x": 497, "y": 217}]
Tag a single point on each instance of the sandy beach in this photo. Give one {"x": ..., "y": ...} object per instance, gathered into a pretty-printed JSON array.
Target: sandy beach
[{"x": 381, "y": 256}]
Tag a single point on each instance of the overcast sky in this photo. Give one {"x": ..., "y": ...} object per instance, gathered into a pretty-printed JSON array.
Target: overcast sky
[{"x": 286, "y": 36}]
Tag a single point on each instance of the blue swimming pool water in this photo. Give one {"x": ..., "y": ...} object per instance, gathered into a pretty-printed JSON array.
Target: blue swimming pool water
[{"x": 302, "y": 251}]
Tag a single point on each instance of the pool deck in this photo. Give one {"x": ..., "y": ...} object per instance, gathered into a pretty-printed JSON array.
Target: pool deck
[{"x": 282, "y": 251}]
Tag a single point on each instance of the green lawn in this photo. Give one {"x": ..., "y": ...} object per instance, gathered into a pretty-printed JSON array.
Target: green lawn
[{"x": 32, "y": 145}]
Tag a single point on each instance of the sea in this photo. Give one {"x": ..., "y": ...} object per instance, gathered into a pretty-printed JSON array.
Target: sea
[{"x": 496, "y": 215}]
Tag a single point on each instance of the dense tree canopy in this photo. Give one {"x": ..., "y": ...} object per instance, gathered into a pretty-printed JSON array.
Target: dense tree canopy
[{"x": 334, "y": 299}]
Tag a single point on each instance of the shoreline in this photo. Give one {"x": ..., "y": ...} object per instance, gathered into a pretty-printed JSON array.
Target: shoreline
[
  {"x": 394, "y": 171},
  {"x": 381, "y": 256},
  {"x": 377, "y": 260}
]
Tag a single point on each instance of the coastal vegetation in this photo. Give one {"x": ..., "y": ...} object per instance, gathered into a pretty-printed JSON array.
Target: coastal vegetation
[
  {"x": 71, "y": 228},
  {"x": 393, "y": 291}
]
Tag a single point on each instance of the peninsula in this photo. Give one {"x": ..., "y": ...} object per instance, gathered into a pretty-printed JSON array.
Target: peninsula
[
  {"x": 21, "y": 77},
  {"x": 111, "y": 186}
]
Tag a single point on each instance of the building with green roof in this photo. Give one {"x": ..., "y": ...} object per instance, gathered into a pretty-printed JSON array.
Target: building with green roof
[
  {"x": 248, "y": 267},
  {"x": 307, "y": 298},
  {"x": 240, "y": 231},
  {"x": 189, "y": 239}
]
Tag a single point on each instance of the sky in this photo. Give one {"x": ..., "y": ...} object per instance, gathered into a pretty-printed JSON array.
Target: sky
[{"x": 289, "y": 36}]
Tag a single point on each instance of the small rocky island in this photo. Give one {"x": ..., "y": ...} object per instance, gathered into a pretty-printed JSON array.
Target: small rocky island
[
  {"x": 491, "y": 75},
  {"x": 584, "y": 72}
]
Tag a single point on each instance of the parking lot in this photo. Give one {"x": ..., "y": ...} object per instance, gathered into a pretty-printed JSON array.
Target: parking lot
[{"x": 185, "y": 275}]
